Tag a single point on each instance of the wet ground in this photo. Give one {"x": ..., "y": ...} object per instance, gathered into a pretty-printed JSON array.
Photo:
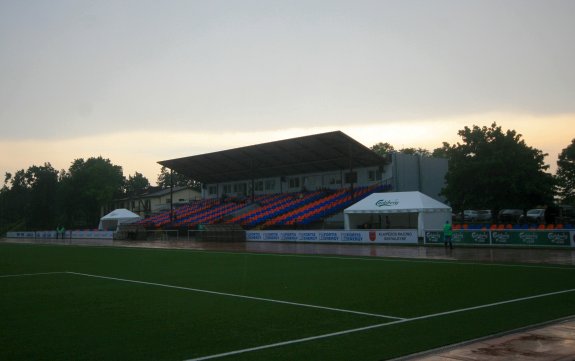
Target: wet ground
[
  {"x": 552, "y": 342},
  {"x": 490, "y": 255}
]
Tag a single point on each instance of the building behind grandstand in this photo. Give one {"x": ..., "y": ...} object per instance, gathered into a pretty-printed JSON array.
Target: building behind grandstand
[
  {"x": 299, "y": 181},
  {"x": 398, "y": 172}
]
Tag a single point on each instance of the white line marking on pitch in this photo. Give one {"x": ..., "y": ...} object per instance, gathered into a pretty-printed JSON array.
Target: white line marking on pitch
[
  {"x": 491, "y": 304},
  {"x": 290, "y": 342},
  {"x": 239, "y": 296},
  {"x": 32, "y": 274},
  {"x": 312, "y": 338}
]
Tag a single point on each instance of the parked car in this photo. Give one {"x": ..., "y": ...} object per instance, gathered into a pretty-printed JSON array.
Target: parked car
[
  {"x": 509, "y": 215},
  {"x": 484, "y": 215},
  {"x": 469, "y": 215},
  {"x": 536, "y": 215}
]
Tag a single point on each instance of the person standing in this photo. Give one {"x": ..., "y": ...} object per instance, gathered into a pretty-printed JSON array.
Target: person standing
[
  {"x": 60, "y": 231},
  {"x": 447, "y": 234}
]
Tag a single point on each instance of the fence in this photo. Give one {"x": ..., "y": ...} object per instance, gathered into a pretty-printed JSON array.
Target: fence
[{"x": 162, "y": 235}]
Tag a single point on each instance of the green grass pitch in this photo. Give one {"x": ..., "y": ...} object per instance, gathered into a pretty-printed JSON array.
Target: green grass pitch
[{"x": 106, "y": 303}]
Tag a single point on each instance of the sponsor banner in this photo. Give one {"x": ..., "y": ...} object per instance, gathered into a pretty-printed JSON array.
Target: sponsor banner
[
  {"x": 433, "y": 237},
  {"x": 473, "y": 237},
  {"x": 50, "y": 234},
  {"x": 531, "y": 238},
  {"x": 93, "y": 234},
  {"x": 403, "y": 236},
  {"x": 20, "y": 234},
  {"x": 505, "y": 237},
  {"x": 68, "y": 234}
]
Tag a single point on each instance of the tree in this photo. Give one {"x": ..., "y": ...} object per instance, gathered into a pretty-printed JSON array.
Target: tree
[
  {"x": 14, "y": 198},
  {"x": 43, "y": 185},
  {"x": 42, "y": 197},
  {"x": 566, "y": 174},
  {"x": 441, "y": 152},
  {"x": 87, "y": 187},
  {"x": 383, "y": 149},
  {"x": 493, "y": 169},
  {"x": 166, "y": 179},
  {"x": 416, "y": 151},
  {"x": 30, "y": 198},
  {"x": 137, "y": 184}
]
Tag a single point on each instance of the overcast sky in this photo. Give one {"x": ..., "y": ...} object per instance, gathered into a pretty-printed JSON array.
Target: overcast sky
[{"x": 143, "y": 81}]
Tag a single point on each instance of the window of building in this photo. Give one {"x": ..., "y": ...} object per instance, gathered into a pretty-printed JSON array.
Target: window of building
[
  {"x": 311, "y": 182},
  {"x": 374, "y": 175},
  {"x": 259, "y": 185},
  {"x": 212, "y": 190},
  {"x": 240, "y": 188},
  {"x": 227, "y": 188},
  {"x": 294, "y": 183},
  {"x": 270, "y": 184},
  {"x": 332, "y": 179}
]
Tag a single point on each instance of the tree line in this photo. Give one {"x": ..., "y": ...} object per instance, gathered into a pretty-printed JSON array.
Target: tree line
[
  {"x": 488, "y": 169},
  {"x": 42, "y": 197},
  {"x": 495, "y": 169}
]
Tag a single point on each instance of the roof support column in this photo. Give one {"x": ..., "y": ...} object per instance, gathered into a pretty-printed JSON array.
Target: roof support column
[
  {"x": 171, "y": 197},
  {"x": 351, "y": 177},
  {"x": 253, "y": 180}
]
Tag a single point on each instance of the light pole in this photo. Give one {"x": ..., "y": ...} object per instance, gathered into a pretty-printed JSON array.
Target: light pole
[{"x": 171, "y": 197}]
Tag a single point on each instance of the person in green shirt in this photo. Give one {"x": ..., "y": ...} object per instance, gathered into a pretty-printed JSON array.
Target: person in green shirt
[
  {"x": 60, "y": 231},
  {"x": 447, "y": 233}
]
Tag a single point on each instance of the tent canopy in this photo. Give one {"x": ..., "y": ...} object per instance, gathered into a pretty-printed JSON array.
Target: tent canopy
[
  {"x": 112, "y": 220},
  {"x": 397, "y": 210},
  {"x": 397, "y": 202}
]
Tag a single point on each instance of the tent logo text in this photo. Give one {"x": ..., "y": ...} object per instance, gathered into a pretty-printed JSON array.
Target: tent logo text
[{"x": 386, "y": 203}]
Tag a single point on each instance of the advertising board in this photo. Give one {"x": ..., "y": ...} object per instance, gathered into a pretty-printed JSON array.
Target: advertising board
[
  {"x": 542, "y": 238},
  {"x": 459, "y": 237},
  {"x": 69, "y": 234},
  {"x": 403, "y": 236},
  {"x": 531, "y": 238}
]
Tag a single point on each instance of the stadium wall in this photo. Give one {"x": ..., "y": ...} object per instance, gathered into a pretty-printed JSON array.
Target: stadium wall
[{"x": 418, "y": 173}]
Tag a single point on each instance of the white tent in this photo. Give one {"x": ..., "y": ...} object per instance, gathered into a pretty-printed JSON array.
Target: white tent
[
  {"x": 112, "y": 220},
  {"x": 397, "y": 210}
]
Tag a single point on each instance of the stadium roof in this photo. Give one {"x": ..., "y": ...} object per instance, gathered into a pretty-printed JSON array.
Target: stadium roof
[{"x": 333, "y": 151}]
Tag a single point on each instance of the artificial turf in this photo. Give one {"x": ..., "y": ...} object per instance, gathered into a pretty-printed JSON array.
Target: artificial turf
[{"x": 72, "y": 316}]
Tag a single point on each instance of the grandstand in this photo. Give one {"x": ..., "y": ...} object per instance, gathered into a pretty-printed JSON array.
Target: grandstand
[
  {"x": 268, "y": 211},
  {"x": 303, "y": 182}
]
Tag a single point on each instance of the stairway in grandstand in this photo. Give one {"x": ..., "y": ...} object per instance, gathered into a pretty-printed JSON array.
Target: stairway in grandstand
[{"x": 272, "y": 210}]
